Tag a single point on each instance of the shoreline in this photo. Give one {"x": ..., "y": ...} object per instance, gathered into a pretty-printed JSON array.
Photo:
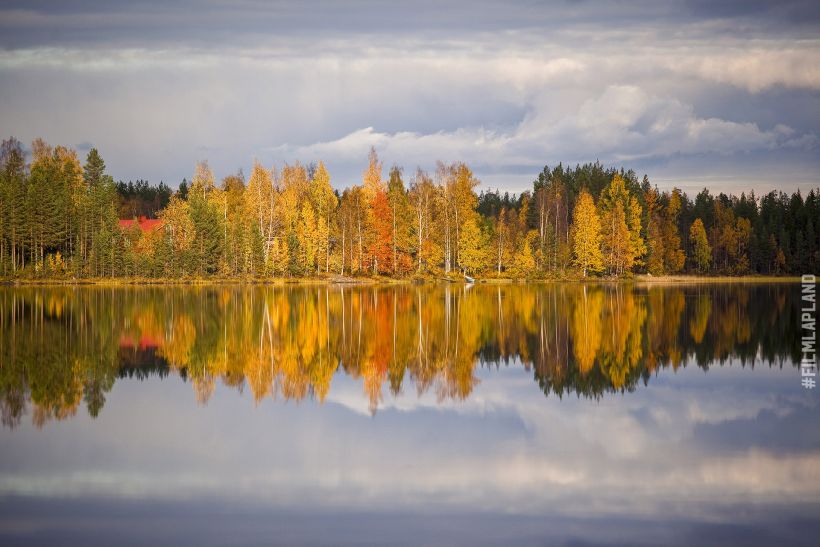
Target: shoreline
[
  {"x": 374, "y": 281},
  {"x": 697, "y": 279}
]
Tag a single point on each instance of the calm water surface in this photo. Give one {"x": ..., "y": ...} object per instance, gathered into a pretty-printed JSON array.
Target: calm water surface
[{"x": 526, "y": 415}]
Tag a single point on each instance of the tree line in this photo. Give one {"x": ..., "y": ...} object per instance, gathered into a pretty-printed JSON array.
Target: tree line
[{"x": 61, "y": 218}]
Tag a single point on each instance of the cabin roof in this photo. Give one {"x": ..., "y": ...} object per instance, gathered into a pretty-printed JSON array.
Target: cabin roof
[{"x": 143, "y": 223}]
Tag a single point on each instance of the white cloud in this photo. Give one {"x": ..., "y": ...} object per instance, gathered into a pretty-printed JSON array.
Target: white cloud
[
  {"x": 623, "y": 123},
  {"x": 507, "y": 103},
  {"x": 505, "y": 448},
  {"x": 795, "y": 64}
]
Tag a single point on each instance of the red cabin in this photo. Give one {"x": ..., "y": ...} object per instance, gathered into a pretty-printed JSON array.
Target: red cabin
[{"x": 143, "y": 223}]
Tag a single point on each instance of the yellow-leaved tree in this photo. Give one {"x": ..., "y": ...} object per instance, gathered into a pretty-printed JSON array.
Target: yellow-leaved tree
[
  {"x": 292, "y": 215},
  {"x": 623, "y": 244},
  {"x": 306, "y": 238},
  {"x": 586, "y": 232},
  {"x": 674, "y": 257},
  {"x": 654, "y": 234},
  {"x": 259, "y": 198},
  {"x": 203, "y": 181},
  {"x": 180, "y": 231},
  {"x": 422, "y": 198},
  {"x": 472, "y": 248},
  {"x": 325, "y": 203},
  {"x": 701, "y": 250},
  {"x": 523, "y": 263}
]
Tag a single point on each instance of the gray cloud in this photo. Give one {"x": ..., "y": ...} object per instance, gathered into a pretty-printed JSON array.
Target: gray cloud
[
  {"x": 680, "y": 90},
  {"x": 27, "y": 23},
  {"x": 505, "y": 448}
]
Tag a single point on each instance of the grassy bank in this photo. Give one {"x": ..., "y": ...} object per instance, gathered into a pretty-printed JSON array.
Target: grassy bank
[
  {"x": 209, "y": 281},
  {"x": 675, "y": 279},
  {"x": 383, "y": 280}
]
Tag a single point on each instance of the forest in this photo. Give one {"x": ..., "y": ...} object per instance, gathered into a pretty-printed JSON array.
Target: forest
[{"x": 62, "y": 218}]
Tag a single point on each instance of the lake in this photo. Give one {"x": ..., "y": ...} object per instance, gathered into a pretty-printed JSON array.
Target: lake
[{"x": 405, "y": 415}]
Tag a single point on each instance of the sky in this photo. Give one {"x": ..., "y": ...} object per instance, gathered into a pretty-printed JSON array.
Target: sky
[{"x": 694, "y": 94}]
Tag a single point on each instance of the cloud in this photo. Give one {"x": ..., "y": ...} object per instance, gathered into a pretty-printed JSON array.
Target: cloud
[
  {"x": 508, "y": 91},
  {"x": 758, "y": 68},
  {"x": 83, "y": 22},
  {"x": 505, "y": 448},
  {"x": 621, "y": 125}
]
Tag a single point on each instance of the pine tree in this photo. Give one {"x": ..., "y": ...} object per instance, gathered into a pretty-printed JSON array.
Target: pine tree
[
  {"x": 207, "y": 232},
  {"x": 94, "y": 169},
  {"x": 13, "y": 215},
  {"x": 98, "y": 217},
  {"x": 743, "y": 234},
  {"x": 654, "y": 235}
]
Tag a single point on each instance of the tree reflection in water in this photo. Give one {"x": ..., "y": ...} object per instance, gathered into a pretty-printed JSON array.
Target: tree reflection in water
[{"x": 63, "y": 347}]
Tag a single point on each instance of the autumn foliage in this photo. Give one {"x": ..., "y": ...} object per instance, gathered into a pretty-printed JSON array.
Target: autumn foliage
[
  {"x": 58, "y": 219},
  {"x": 65, "y": 347}
]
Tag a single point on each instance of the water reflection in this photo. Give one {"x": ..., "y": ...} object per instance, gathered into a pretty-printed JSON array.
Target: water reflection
[{"x": 62, "y": 348}]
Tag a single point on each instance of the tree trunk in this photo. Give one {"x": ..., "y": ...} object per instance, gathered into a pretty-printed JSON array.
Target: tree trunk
[{"x": 342, "y": 267}]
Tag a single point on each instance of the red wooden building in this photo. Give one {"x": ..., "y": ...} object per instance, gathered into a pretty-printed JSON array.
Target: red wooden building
[{"x": 143, "y": 223}]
